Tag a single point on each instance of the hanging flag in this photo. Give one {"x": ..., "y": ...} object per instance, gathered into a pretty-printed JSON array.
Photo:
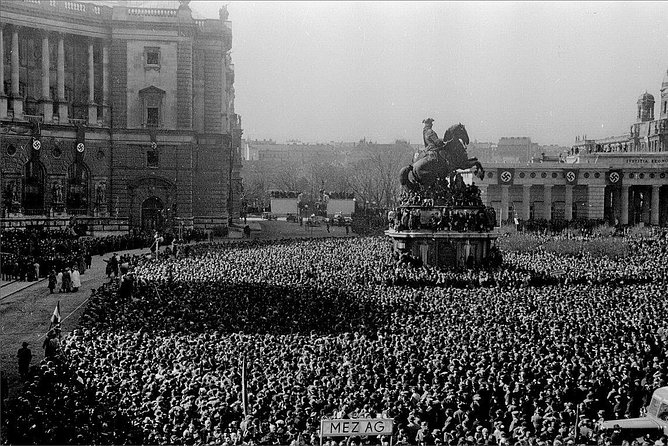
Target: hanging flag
[
  {"x": 244, "y": 389},
  {"x": 571, "y": 176},
  {"x": 614, "y": 177},
  {"x": 55, "y": 317},
  {"x": 506, "y": 176}
]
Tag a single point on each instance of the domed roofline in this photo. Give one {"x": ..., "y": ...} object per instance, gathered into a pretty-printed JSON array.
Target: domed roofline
[{"x": 646, "y": 97}]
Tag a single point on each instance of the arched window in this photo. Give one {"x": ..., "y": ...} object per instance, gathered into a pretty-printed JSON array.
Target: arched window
[
  {"x": 77, "y": 188},
  {"x": 33, "y": 186}
]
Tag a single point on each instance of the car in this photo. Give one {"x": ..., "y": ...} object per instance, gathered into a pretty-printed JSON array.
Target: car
[
  {"x": 292, "y": 218},
  {"x": 268, "y": 216},
  {"x": 654, "y": 423}
]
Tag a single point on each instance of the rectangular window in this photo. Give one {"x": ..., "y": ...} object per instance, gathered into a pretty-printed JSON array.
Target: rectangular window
[
  {"x": 152, "y": 159},
  {"x": 152, "y": 57},
  {"x": 152, "y": 116}
]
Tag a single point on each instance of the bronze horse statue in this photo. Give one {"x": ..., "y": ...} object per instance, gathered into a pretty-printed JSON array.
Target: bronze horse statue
[{"x": 442, "y": 161}]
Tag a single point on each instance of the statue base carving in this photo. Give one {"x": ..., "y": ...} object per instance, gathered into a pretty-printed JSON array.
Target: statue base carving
[{"x": 447, "y": 250}]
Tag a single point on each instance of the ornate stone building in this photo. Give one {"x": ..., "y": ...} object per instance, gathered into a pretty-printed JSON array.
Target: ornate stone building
[
  {"x": 622, "y": 179},
  {"x": 119, "y": 112}
]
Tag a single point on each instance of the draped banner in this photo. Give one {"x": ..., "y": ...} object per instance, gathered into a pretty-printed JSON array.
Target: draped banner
[{"x": 506, "y": 176}]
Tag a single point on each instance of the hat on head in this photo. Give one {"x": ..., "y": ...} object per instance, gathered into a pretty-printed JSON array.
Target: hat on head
[
  {"x": 25, "y": 344},
  {"x": 428, "y": 121}
]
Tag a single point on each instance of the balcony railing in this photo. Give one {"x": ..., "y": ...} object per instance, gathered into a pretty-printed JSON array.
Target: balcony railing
[{"x": 154, "y": 12}]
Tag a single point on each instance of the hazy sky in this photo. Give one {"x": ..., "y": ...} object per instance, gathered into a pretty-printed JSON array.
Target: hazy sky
[{"x": 342, "y": 71}]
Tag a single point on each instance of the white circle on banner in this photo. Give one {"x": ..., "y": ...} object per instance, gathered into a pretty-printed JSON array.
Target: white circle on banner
[
  {"x": 614, "y": 177},
  {"x": 36, "y": 144},
  {"x": 80, "y": 147},
  {"x": 506, "y": 176},
  {"x": 570, "y": 176}
]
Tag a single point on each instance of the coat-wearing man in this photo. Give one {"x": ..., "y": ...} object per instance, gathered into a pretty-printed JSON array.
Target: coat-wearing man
[
  {"x": 53, "y": 280},
  {"x": 24, "y": 356}
]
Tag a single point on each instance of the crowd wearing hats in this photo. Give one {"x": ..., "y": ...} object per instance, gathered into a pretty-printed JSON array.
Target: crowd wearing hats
[
  {"x": 29, "y": 255},
  {"x": 519, "y": 355}
]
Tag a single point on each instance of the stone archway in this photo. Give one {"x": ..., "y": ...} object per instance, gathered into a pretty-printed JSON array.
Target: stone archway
[
  {"x": 144, "y": 189},
  {"x": 152, "y": 214}
]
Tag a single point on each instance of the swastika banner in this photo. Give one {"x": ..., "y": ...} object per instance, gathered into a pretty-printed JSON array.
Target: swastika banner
[
  {"x": 571, "y": 176},
  {"x": 506, "y": 176},
  {"x": 614, "y": 178}
]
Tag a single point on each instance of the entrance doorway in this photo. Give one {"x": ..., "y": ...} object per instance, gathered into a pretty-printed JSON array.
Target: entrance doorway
[
  {"x": 33, "y": 187},
  {"x": 152, "y": 214}
]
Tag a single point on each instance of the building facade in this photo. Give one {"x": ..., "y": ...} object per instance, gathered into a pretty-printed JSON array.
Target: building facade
[
  {"x": 621, "y": 179},
  {"x": 118, "y": 112}
]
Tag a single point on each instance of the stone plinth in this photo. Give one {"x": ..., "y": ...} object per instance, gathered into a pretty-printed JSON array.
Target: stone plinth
[{"x": 444, "y": 249}]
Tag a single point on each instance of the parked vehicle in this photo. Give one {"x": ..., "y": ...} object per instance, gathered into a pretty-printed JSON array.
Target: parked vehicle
[
  {"x": 654, "y": 423},
  {"x": 269, "y": 216},
  {"x": 292, "y": 218}
]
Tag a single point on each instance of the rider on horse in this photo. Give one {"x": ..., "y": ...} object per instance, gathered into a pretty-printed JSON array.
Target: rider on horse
[{"x": 431, "y": 139}]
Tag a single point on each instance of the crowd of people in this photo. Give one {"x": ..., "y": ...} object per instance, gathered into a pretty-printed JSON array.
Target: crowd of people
[
  {"x": 29, "y": 255},
  {"x": 445, "y": 219},
  {"x": 254, "y": 342},
  {"x": 443, "y": 193}
]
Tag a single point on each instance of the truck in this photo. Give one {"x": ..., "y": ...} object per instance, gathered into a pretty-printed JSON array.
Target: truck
[{"x": 654, "y": 423}]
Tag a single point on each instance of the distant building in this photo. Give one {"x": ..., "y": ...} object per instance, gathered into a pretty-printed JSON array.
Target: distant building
[{"x": 622, "y": 179}]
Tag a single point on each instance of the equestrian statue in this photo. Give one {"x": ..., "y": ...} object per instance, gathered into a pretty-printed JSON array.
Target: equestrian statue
[{"x": 440, "y": 159}]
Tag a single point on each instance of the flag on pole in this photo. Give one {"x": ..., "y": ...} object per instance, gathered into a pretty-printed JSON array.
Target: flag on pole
[
  {"x": 55, "y": 317},
  {"x": 244, "y": 389}
]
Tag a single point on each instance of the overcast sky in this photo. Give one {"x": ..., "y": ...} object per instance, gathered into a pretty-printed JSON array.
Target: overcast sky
[{"x": 342, "y": 71}]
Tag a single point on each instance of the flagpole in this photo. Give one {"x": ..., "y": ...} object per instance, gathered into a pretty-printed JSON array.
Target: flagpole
[{"x": 244, "y": 389}]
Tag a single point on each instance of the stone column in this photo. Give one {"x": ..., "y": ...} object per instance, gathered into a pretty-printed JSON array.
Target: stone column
[
  {"x": 568, "y": 206},
  {"x": 17, "y": 101},
  {"x": 505, "y": 191},
  {"x": 656, "y": 203},
  {"x": 46, "y": 103},
  {"x": 624, "y": 218},
  {"x": 62, "y": 101},
  {"x": 547, "y": 202},
  {"x": 3, "y": 95},
  {"x": 105, "y": 83},
  {"x": 596, "y": 201},
  {"x": 92, "y": 106},
  {"x": 526, "y": 201}
]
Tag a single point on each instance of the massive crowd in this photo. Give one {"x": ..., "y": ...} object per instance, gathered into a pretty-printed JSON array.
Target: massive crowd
[
  {"x": 29, "y": 255},
  {"x": 533, "y": 353}
]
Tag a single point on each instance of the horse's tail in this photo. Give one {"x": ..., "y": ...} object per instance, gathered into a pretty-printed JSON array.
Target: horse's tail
[{"x": 403, "y": 175}]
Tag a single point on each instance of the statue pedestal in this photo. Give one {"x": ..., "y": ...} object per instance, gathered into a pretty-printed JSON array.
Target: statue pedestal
[
  {"x": 464, "y": 238},
  {"x": 444, "y": 249},
  {"x": 15, "y": 215}
]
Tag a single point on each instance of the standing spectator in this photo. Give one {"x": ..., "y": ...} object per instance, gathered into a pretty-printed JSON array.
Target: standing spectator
[
  {"x": 24, "y": 356},
  {"x": 53, "y": 281},
  {"x": 36, "y": 266},
  {"x": 67, "y": 281},
  {"x": 76, "y": 279},
  {"x": 89, "y": 259},
  {"x": 113, "y": 263},
  {"x": 51, "y": 344},
  {"x": 59, "y": 281}
]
